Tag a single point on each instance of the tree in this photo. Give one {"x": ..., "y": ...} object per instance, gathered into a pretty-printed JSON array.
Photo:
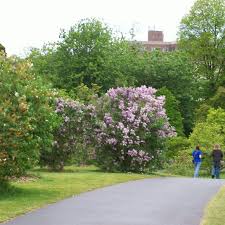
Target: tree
[
  {"x": 81, "y": 54},
  {"x": 89, "y": 53},
  {"x": 215, "y": 102},
  {"x": 175, "y": 71},
  {"x": 172, "y": 110},
  {"x": 218, "y": 100},
  {"x": 202, "y": 35},
  {"x": 211, "y": 131}
]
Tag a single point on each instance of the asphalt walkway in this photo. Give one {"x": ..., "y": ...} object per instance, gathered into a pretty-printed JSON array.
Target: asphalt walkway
[{"x": 158, "y": 201}]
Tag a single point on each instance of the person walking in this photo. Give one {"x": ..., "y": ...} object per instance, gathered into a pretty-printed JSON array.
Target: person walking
[
  {"x": 217, "y": 156},
  {"x": 197, "y": 160}
]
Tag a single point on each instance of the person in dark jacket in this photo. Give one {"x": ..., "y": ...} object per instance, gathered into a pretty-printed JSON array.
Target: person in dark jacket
[{"x": 217, "y": 156}]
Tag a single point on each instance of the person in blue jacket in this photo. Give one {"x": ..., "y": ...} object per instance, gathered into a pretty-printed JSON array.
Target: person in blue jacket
[{"x": 197, "y": 160}]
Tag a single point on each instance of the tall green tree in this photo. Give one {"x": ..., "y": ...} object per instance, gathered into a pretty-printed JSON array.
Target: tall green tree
[
  {"x": 202, "y": 35},
  {"x": 175, "y": 71},
  {"x": 215, "y": 102},
  {"x": 81, "y": 53},
  {"x": 89, "y": 53}
]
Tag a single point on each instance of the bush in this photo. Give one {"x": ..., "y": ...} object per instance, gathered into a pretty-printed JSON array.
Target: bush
[
  {"x": 127, "y": 129},
  {"x": 181, "y": 164},
  {"x": 27, "y": 118},
  {"x": 210, "y": 132},
  {"x": 176, "y": 144},
  {"x": 73, "y": 136},
  {"x": 131, "y": 130}
]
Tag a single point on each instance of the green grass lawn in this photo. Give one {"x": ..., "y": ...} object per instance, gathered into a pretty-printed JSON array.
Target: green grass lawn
[
  {"x": 51, "y": 187},
  {"x": 215, "y": 211}
]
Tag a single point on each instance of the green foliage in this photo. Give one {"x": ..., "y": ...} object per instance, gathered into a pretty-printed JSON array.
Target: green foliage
[
  {"x": 210, "y": 132},
  {"x": 84, "y": 155},
  {"x": 202, "y": 34},
  {"x": 206, "y": 133},
  {"x": 73, "y": 135},
  {"x": 84, "y": 94},
  {"x": 182, "y": 164},
  {"x": 217, "y": 101},
  {"x": 44, "y": 62},
  {"x": 201, "y": 112},
  {"x": 175, "y": 145},
  {"x": 81, "y": 52},
  {"x": 175, "y": 71},
  {"x": 172, "y": 110},
  {"x": 88, "y": 54},
  {"x": 27, "y": 119}
]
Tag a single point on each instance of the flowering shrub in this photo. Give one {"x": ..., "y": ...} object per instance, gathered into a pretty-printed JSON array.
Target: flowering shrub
[
  {"x": 27, "y": 118},
  {"x": 132, "y": 125},
  {"x": 73, "y": 134},
  {"x": 126, "y": 127}
]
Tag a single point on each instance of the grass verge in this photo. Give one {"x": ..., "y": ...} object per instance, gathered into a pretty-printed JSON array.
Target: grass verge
[
  {"x": 215, "y": 211},
  {"x": 49, "y": 187}
]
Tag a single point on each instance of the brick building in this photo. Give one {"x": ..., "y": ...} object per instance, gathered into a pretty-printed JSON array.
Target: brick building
[{"x": 156, "y": 41}]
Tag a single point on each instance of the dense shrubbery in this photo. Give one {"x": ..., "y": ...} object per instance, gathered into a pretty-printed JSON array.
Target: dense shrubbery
[
  {"x": 211, "y": 131},
  {"x": 26, "y": 117},
  {"x": 208, "y": 133},
  {"x": 182, "y": 164},
  {"x": 126, "y": 128},
  {"x": 132, "y": 127},
  {"x": 174, "y": 145},
  {"x": 73, "y": 135}
]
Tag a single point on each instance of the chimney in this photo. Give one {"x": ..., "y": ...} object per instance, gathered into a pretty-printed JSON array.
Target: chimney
[{"x": 155, "y": 35}]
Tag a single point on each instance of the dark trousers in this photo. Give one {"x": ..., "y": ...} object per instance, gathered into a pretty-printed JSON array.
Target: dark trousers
[{"x": 216, "y": 170}]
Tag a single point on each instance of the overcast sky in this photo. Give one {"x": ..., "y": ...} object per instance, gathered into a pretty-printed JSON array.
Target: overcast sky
[{"x": 26, "y": 23}]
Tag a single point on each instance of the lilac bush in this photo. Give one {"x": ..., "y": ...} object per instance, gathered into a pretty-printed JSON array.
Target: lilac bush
[
  {"x": 126, "y": 127},
  {"x": 74, "y": 133},
  {"x": 132, "y": 125}
]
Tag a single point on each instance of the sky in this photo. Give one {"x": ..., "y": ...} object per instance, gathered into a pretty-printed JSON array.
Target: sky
[{"x": 31, "y": 23}]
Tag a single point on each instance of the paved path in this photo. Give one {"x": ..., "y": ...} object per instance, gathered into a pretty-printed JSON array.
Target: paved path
[{"x": 158, "y": 201}]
